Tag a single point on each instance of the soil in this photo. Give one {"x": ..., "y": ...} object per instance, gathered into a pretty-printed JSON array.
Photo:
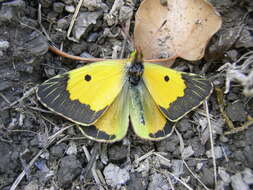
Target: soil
[{"x": 29, "y": 153}]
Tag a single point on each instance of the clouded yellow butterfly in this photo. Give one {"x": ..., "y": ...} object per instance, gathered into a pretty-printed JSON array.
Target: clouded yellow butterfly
[{"x": 104, "y": 96}]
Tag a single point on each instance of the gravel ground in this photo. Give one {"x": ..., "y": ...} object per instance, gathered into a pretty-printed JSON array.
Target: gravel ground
[{"x": 26, "y": 127}]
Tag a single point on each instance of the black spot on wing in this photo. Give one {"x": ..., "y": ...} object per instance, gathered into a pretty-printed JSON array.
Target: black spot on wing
[
  {"x": 53, "y": 94},
  {"x": 87, "y": 77},
  {"x": 197, "y": 90},
  {"x": 167, "y": 130},
  {"x": 95, "y": 133},
  {"x": 166, "y": 78}
]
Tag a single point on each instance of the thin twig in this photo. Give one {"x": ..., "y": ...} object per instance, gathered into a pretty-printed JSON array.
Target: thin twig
[
  {"x": 195, "y": 176},
  {"x": 26, "y": 94},
  {"x": 73, "y": 20},
  {"x": 212, "y": 143},
  {"x": 4, "y": 97},
  {"x": 92, "y": 165},
  {"x": 50, "y": 141},
  {"x": 181, "y": 181},
  {"x": 41, "y": 26}
]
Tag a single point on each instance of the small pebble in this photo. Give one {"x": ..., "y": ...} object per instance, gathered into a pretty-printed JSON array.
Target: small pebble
[
  {"x": 158, "y": 182},
  {"x": 62, "y": 24},
  {"x": 84, "y": 21},
  {"x": 70, "y": 8},
  {"x": 248, "y": 176},
  {"x": 115, "y": 176},
  {"x": 236, "y": 111},
  {"x": 72, "y": 149},
  {"x": 58, "y": 7},
  {"x": 117, "y": 153},
  {"x": 224, "y": 175},
  {"x": 238, "y": 183},
  {"x": 218, "y": 153},
  {"x": 33, "y": 185},
  {"x": 69, "y": 169},
  {"x": 4, "y": 45}
]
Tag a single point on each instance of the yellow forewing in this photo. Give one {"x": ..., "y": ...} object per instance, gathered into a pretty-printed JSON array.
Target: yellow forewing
[
  {"x": 147, "y": 120},
  {"x": 82, "y": 95},
  {"x": 176, "y": 93},
  {"x": 97, "y": 84}
]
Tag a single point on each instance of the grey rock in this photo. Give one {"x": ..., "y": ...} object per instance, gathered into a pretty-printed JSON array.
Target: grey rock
[
  {"x": 169, "y": 144},
  {"x": 245, "y": 40},
  {"x": 84, "y": 22},
  {"x": 33, "y": 46},
  {"x": 46, "y": 3},
  {"x": 92, "y": 37},
  {"x": 125, "y": 13},
  {"x": 207, "y": 176},
  {"x": 225, "y": 177},
  {"x": 248, "y": 153},
  {"x": 117, "y": 153},
  {"x": 238, "y": 183},
  {"x": 232, "y": 96},
  {"x": 69, "y": 169},
  {"x": 4, "y": 45},
  {"x": 62, "y": 24},
  {"x": 115, "y": 176},
  {"x": 58, "y": 150},
  {"x": 164, "y": 163},
  {"x": 184, "y": 125},
  {"x": 11, "y": 10},
  {"x": 6, "y": 15},
  {"x": 93, "y": 5},
  {"x": 187, "y": 152},
  {"x": 232, "y": 54},
  {"x": 238, "y": 155},
  {"x": 221, "y": 186},
  {"x": 137, "y": 181},
  {"x": 72, "y": 149},
  {"x": 26, "y": 68},
  {"x": 86, "y": 55},
  {"x": 70, "y": 8},
  {"x": 197, "y": 146},
  {"x": 178, "y": 167},
  {"x": 33, "y": 185},
  {"x": 8, "y": 159},
  {"x": 236, "y": 111},
  {"x": 42, "y": 165},
  {"x": 58, "y": 7},
  {"x": 5, "y": 85},
  {"x": 68, "y": 2},
  {"x": 249, "y": 136},
  {"x": 218, "y": 152},
  {"x": 248, "y": 176},
  {"x": 158, "y": 182}
]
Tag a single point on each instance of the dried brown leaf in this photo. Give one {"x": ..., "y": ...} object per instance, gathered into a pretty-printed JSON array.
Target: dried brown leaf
[{"x": 181, "y": 28}]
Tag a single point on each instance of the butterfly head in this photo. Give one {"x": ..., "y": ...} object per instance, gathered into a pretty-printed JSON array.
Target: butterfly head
[{"x": 135, "y": 70}]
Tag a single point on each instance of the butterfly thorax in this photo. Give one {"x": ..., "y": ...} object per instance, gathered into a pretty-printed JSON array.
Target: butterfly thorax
[{"x": 136, "y": 68}]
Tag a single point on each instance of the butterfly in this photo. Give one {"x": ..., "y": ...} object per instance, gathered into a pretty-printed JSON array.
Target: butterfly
[{"x": 104, "y": 97}]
